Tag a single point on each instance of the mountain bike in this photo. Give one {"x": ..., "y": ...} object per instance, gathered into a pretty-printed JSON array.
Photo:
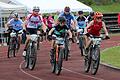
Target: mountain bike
[
  {"x": 13, "y": 42},
  {"x": 81, "y": 41},
  {"x": 31, "y": 53},
  {"x": 92, "y": 58},
  {"x": 57, "y": 55}
]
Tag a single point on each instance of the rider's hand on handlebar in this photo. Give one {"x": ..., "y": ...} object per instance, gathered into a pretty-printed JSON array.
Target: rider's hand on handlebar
[
  {"x": 49, "y": 37},
  {"x": 107, "y": 37}
]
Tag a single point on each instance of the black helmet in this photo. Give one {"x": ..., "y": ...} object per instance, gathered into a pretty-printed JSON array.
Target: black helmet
[
  {"x": 92, "y": 13},
  {"x": 36, "y": 8},
  {"x": 80, "y": 12},
  {"x": 15, "y": 15},
  {"x": 61, "y": 19},
  {"x": 67, "y": 9}
]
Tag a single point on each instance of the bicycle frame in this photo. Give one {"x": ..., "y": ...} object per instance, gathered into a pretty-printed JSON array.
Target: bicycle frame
[{"x": 58, "y": 55}]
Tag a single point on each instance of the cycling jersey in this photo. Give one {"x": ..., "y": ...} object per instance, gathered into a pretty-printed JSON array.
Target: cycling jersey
[
  {"x": 16, "y": 24},
  {"x": 60, "y": 31},
  {"x": 34, "y": 21},
  {"x": 81, "y": 22},
  {"x": 68, "y": 17},
  {"x": 95, "y": 28}
]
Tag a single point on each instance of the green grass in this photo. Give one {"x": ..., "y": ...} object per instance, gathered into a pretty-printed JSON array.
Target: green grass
[
  {"x": 107, "y": 8},
  {"x": 111, "y": 56}
]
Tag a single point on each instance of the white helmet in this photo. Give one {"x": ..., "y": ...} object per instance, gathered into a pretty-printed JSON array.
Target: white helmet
[{"x": 36, "y": 8}]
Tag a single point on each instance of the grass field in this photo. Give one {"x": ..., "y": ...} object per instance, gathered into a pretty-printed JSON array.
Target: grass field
[
  {"x": 107, "y": 8},
  {"x": 111, "y": 56}
]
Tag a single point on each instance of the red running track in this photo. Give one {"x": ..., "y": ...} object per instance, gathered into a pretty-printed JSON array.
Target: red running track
[{"x": 13, "y": 68}]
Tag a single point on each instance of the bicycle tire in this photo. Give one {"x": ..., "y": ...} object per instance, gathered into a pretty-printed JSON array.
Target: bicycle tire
[
  {"x": 66, "y": 50},
  {"x": 95, "y": 62},
  {"x": 53, "y": 64},
  {"x": 87, "y": 61},
  {"x": 32, "y": 57},
  {"x": 38, "y": 43},
  {"x": 59, "y": 63},
  {"x": 81, "y": 45},
  {"x": 11, "y": 50},
  {"x": 27, "y": 57}
]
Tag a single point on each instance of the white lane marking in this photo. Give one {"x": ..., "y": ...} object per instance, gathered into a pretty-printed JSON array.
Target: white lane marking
[
  {"x": 82, "y": 74},
  {"x": 20, "y": 67}
]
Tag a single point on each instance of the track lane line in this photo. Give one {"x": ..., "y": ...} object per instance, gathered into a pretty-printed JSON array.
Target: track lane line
[{"x": 20, "y": 67}]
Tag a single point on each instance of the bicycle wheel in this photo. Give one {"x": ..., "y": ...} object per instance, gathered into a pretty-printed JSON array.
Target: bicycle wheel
[
  {"x": 95, "y": 60},
  {"x": 66, "y": 50},
  {"x": 38, "y": 43},
  {"x": 87, "y": 61},
  {"x": 32, "y": 57},
  {"x": 53, "y": 64},
  {"x": 81, "y": 46},
  {"x": 27, "y": 57},
  {"x": 11, "y": 48},
  {"x": 59, "y": 62}
]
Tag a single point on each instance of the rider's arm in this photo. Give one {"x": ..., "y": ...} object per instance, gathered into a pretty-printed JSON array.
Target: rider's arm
[
  {"x": 70, "y": 34},
  {"x": 90, "y": 24},
  {"x": 24, "y": 24},
  {"x": 8, "y": 24},
  {"x": 74, "y": 21},
  {"x": 105, "y": 30},
  {"x": 50, "y": 32},
  {"x": 44, "y": 27}
]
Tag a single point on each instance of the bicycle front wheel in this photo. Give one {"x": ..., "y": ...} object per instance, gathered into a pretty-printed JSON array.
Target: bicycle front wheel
[
  {"x": 87, "y": 61},
  {"x": 66, "y": 50},
  {"x": 11, "y": 48},
  {"x": 27, "y": 57},
  {"x": 32, "y": 57},
  {"x": 81, "y": 46},
  {"x": 95, "y": 60},
  {"x": 59, "y": 62}
]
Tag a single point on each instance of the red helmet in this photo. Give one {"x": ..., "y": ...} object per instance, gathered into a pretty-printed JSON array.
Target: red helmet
[{"x": 98, "y": 14}]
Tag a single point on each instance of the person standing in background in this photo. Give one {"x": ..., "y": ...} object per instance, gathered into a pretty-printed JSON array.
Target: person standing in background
[
  {"x": 50, "y": 21},
  {"x": 118, "y": 19}
]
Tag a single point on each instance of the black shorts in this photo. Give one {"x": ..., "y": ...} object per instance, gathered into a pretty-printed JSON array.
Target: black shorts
[{"x": 31, "y": 31}]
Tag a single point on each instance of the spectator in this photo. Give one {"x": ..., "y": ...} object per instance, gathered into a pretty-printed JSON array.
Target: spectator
[
  {"x": 45, "y": 20},
  {"x": 50, "y": 21},
  {"x": 56, "y": 15},
  {"x": 119, "y": 19}
]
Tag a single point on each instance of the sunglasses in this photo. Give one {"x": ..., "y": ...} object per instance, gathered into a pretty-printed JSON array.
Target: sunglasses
[
  {"x": 36, "y": 11},
  {"x": 99, "y": 17}
]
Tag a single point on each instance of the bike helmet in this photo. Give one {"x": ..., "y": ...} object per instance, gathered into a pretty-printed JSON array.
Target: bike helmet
[
  {"x": 98, "y": 14},
  {"x": 61, "y": 19},
  {"x": 15, "y": 15},
  {"x": 67, "y": 9},
  {"x": 36, "y": 8},
  {"x": 80, "y": 12}
]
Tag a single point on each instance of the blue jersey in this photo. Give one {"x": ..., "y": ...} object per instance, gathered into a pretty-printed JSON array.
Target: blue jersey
[
  {"x": 16, "y": 24},
  {"x": 68, "y": 17},
  {"x": 81, "y": 22}
]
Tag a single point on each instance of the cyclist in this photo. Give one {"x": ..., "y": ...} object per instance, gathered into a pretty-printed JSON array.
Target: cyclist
[
  {"x": 90, "y": 17},
  {"x": 69, "y": 17},
  {"x": 81, "y": 24},
  {"x": 16, "y": 24},
  {"x": 32, "y": 24},
  {"x": 94, "y": 27},
  {"x": 70, "y": 21},
  {"x": 59, "y": 30}
]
